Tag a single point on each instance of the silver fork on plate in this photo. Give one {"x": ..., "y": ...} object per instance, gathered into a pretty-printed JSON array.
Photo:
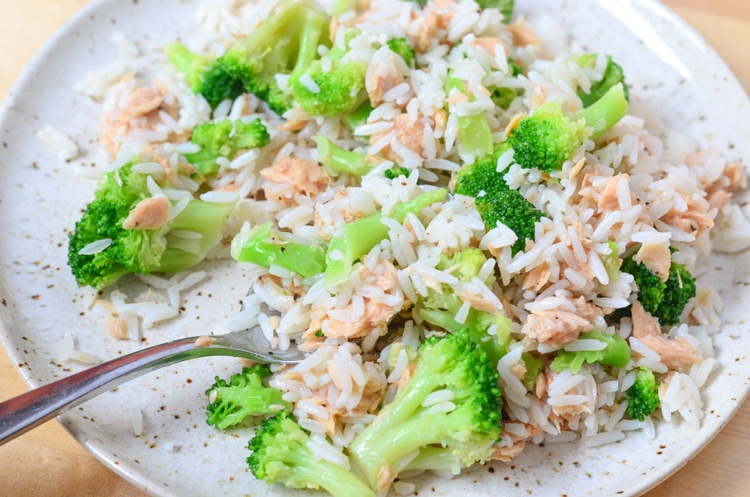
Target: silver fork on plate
[{"x": 22, "y": 413}]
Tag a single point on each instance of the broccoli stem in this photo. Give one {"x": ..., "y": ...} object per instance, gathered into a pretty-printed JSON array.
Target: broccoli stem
[
  {"x": 474, "y": 134},
  {"x": 357, "y": 238},
  {"x": 206, "y": 220},
  {"x": 191, "y": 65},
  {"x": 263, "y": 247},
  {"x": 605, "y": 112},
  {"x": 335, "y": 480},
  {"x": 338, "y": 160}
]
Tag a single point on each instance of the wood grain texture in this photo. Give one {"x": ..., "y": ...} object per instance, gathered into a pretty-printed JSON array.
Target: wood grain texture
[{"x": 48, "y": 461}]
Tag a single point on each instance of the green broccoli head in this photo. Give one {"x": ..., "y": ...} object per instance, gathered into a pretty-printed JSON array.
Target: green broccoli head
[
  {"x": 224, "y": 139},
  {"x": 280, "y": 453},
  {"x": 335, "y": 90},
  {"x": 481, "y": 178},
  {"x": 613, "y": 74},
  {"x": 466, "y": 426},
  {"x": 139, "y": 250},
  {"x": 403, "y": 48},
  {"x": 616, "y": 353},
  {"x": 665, "y": 300},
  {"x": 643, "y": 396},
  {"x": 204, "y": 75},
  {"x": 514, "y": 211},
  {"x": 549, "y": 137},
  {"x": 283, "y": 44},
  {"x": 546, "y": 138},
  {"x": 243, "y": 395}
]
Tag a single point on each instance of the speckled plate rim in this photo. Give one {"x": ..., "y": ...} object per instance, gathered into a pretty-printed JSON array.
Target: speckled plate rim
[{"x": 657, "y": 18}]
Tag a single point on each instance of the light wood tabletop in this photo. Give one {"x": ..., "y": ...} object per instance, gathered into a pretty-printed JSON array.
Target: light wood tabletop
[{"x": 48, "y": 461}]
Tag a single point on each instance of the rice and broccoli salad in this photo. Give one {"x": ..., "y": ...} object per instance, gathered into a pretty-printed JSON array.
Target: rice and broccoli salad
[{"x": 476, "y": 243}]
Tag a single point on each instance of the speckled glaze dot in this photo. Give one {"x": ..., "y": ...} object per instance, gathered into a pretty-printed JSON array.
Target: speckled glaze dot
[{"x": 671, "y": 72}]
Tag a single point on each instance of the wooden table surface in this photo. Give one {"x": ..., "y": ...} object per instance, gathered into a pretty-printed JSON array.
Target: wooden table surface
[{"x": 48, "y": 461}]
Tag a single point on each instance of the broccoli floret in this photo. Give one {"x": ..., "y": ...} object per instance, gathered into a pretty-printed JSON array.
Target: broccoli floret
[
  {"x": 466, "y": 428},
  {"x": 514, "y": 211},
  {"x": 481, "y": 178},
  {"x": 224, "y": 139},
  {"x": 403, "y": 48},
  {"x": 474, "y": 134},
  {"x": 643, "y": 395},
  {"x": 337, "y": 160},
  {"x": 244, "y": 395},
  {"x": 355, "y": 239},
  {"x": 204, "y": 75},
  {"x": 665, "y": 300},
  {"x": 504, "y": 6},
  {"x": 612, "y": 261},
  {"x": 612, "y": 75},
  {"x": 440, "y": 307},
  {"x": 395, "y": 172},
  {"x": 615, "y": 353},
  {"x": 265, "y": 247},
  {"x": 332, "y": 86},
  {"x": 281, "y": 453},
  {"x": 495, "y": 201},
  {"x": 548, "y": 137},
  {"x": 283, "y": 44},
  {"x": 139, "y": 249}
]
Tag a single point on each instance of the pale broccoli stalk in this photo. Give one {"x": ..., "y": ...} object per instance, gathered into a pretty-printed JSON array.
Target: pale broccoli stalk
[
  {"x": 616, "y": 353},
  {"x": 355, "y": 239},
  {"x": 266, "y": 247},
  {"x": 474, "y": 134},
  {"x": 337, "y": 160}
]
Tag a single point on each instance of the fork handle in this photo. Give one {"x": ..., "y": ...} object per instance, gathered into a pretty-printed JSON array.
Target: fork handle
[{"x": 28, "y": 410}]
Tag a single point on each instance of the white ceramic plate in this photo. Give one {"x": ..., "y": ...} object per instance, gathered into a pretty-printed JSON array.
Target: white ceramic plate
[{"x": 670, "y": 70}]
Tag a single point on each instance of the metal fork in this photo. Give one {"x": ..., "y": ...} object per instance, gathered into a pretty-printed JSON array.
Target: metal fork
[{"x": 20, "y": 414}]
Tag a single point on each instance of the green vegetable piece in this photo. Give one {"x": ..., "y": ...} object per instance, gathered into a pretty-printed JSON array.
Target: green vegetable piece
[
  {"x": 514, "y": 211},
  {"x": 139, "y": 251},
  {"x": 665, "y": 300},
  {"x": 439, "y": 308},
  {"x": 613, "y": 74},
  {"x": 245, "y": 395},
  {"x": 504, "y": 6},
  {"x": 403, "y": 48},
  {"x": 474, "y": 133},
  {"x": 204, "y": 75},
  {"x": 337, "y": 160},
  {"x": 616, "y": 353},
  {"x": 280, "y": 452},
  {"x": 224, "y": 139},
  {"x": 465, "y": 433},
  {"x": 548, "y": 137},
  {"x": 285, "y": 43},
  {"x": 643, "y": 395},
  {"x": 357, "y": 238},
  {"x": 396, "y": 172},
  {"x": 357, "y": 117},
  {"x": 534, "y": 367},
  {"x": 265, "y": 247}
]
